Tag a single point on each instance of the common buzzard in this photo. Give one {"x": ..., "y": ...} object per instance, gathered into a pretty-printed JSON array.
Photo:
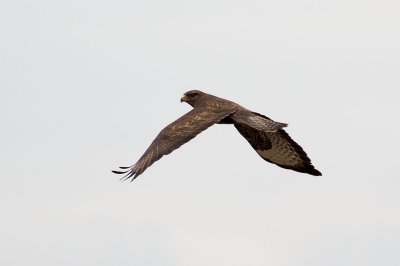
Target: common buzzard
[{"x": 266, "y": 136}]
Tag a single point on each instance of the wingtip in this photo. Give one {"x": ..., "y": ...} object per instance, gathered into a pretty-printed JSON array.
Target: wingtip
[
  {"x": 128, "y": 173},
  {"x": 315, "y": 172},
  {"x": 118, "y": 172}
]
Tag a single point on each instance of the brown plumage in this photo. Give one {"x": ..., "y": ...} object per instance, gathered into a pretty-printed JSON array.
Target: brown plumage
[{"x": 266, "y": 136}]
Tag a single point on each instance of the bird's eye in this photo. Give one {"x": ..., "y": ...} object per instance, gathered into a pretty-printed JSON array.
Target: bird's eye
[{"x": 193, "y": 94}]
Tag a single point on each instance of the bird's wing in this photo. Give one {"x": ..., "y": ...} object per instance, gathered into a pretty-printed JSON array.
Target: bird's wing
[
  {"x": 174, "y": 135},
  {"x": 277, "y": 148}
]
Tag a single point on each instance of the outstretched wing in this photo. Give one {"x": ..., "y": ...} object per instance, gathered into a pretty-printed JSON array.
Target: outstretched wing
[
  {"x": 277, "y": 148},
  {"x": 175, "y": 135}
]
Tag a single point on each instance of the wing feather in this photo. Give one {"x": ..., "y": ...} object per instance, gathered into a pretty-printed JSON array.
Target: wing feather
[
  {"x": 278, "y": 148},
  {"x": 175, "y": 135}
]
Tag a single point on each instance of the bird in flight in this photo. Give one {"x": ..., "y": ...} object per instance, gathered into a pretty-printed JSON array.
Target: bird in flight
[{"x": 266, "y": 136}]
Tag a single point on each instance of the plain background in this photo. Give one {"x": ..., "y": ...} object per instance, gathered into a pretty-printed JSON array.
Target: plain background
[{"x": 85, "y": 86}]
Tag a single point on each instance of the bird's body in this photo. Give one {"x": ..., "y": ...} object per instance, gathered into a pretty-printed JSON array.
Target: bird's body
[{"x": 266, "y": 136}]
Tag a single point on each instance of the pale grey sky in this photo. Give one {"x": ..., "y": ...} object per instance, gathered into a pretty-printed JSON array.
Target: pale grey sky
[{"x": 85, "y": 86}]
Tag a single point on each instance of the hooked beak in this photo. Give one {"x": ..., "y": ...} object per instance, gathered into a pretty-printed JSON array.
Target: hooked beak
[{"x": 183, "y": 99}]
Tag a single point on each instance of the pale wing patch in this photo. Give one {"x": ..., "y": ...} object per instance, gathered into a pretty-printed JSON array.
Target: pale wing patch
[
  {"x": 281, "y": 152},
  {"x": 280, "y": 157}
]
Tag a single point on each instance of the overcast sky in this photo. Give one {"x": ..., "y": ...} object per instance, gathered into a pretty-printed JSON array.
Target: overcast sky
[{"x": 86, "y": 85}]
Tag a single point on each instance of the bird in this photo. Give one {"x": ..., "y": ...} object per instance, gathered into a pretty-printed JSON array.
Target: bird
[{"x": 266, "y": 137}]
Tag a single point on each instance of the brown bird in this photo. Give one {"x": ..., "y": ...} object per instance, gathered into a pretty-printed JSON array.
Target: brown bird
[{"x": 266, "y": 136}]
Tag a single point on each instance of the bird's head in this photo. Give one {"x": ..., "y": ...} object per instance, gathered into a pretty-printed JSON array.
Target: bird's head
[{"x": 192, "y": 97}]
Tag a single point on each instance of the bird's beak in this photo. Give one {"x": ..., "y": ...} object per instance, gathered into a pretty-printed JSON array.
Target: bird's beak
[{"x": 184, "y": 98}]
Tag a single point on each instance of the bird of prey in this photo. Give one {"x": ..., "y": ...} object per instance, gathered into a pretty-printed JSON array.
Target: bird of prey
[{"x": 266, "y": 136}]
